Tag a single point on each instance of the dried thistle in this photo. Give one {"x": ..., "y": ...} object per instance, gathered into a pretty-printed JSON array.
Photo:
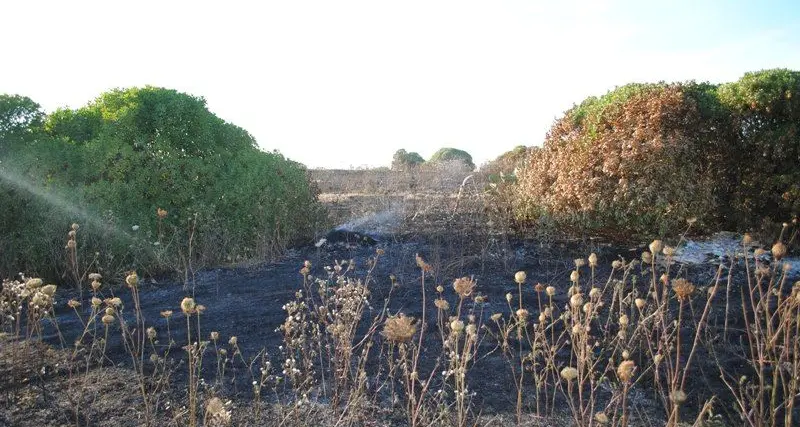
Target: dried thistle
[
  {"x": 778, "y": 251},
  {"x": 464, "y": 286},
  {"x": 683, "y": 288},
  {"x": 569, "y": 373},
  {"x": 625, "y": 371},
  {"x": 132, "y": 279},
  {"x": 188, "y": 305},
  {"x": 399, "y": 329}
]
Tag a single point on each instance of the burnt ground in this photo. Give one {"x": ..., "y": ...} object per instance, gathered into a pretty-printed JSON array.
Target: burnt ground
[{"x": 246, "y": 302}]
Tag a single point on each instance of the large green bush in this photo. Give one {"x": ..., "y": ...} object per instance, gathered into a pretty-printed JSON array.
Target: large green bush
[
  {"x": 445, "y": 155},
  {"x": 112, "y": 164},
  {"x": 765, "y": 107},
  {"x": 402, "y": 160}
]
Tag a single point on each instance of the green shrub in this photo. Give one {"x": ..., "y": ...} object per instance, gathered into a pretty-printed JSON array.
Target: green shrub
[
  {"x": 114, "y": 163},
  {"x": 402, "y": 160},
  {"x": 765, "y": 107},
  {"x": 445, "y": 155}
]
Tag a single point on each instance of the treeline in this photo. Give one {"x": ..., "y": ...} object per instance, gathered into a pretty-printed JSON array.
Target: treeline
[
  {"x": 404, "y": 160},
  {"x": 644, "y": 158},
  {"x": 155, "y": 181}
]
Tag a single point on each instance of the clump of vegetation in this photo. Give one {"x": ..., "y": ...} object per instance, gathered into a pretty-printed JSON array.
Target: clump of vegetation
[
  {"x": 402, "y": 160},
  {"x": 454, "y": 155},
  {"x": 644, "y": 157},
  {"x": 144, "y": 168}
]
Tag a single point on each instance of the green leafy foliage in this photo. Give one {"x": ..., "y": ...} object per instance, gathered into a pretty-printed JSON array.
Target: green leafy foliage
[
  {"x": 452, "y": 154},
  {"x": 765, "y": 107},
  {"x": 114, "y": 163},
  {"x": 402, "y": 160}
]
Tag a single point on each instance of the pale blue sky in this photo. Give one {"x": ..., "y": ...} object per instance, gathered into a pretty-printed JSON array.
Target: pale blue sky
[{"x": 346, "y": 83}]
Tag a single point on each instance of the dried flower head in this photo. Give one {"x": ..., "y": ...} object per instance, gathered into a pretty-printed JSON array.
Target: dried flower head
[
  {"x": 576, "y": 301},
  {"x": 472, "y": 330},
  {"x": 75, "y": 227},
  {"x": 683, "y": 288},
  {"x": 594, "y": 293},
  {"x": 464, "y": 286},
  {"x": 233, "y": 341},
  {"x": 495, "y": 317},
  {"x": 520, "y": 277},
  {"x": 509, "y": 297},
  {"x": 399, "y": 329},
  {"x": 747, "y": 239},
  {"x": 569, "y": 373},
  {"x": 579, "y": 262},
  {"x": 132, "y": 279},
  {"x": 522, "y": 314},
  {"x": 49, "y": 290},
  {"x": 96, "y": 302},
  {"x": 574, "y": 276},
  {"x": 95, "y": 276},
  {"x": 73, "y": 304},
  {"x": 151, "y": 333},
  {"x": 188, "y": 305},
  {"x": 108, "y": 319},
  {"x": 95, "y": 285},
  {"x": 457, "y": 326},
  {"x": 640, "y": 303},
  {"x": 161, "y": 213},
  {"x": 678, "y": 397},
  {"x": 166, "y": 314},
  {"x": 214, "y": 336},
  {"x": 601, "y": 418},
  {"x": 668, "y": 251},
  {"x": 647, "y": 257},
  {"x": 442, "y": 304},
  {"x": 778, "y": 250},
  {"x": 616, "y": 264},
  {"x": 550, "y": 291},
  {"x": 656, "y": 246},
  {"x": 625, "y": 370},
  {"x": 424, "y": 266},
  {"x": 216, "y": 413},
  {"x": 623, "y": 320},
  {"x": 439, "y": 288},
  {"x": 33, "y": 283},
  {"x": 593, "y": 260}
]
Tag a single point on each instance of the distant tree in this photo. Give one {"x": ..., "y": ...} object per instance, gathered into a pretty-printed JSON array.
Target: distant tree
[
  {"x": 403, "y": 159},
  {"x": 20, "y": 119},
  {"x": 453, "y": 154}
]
